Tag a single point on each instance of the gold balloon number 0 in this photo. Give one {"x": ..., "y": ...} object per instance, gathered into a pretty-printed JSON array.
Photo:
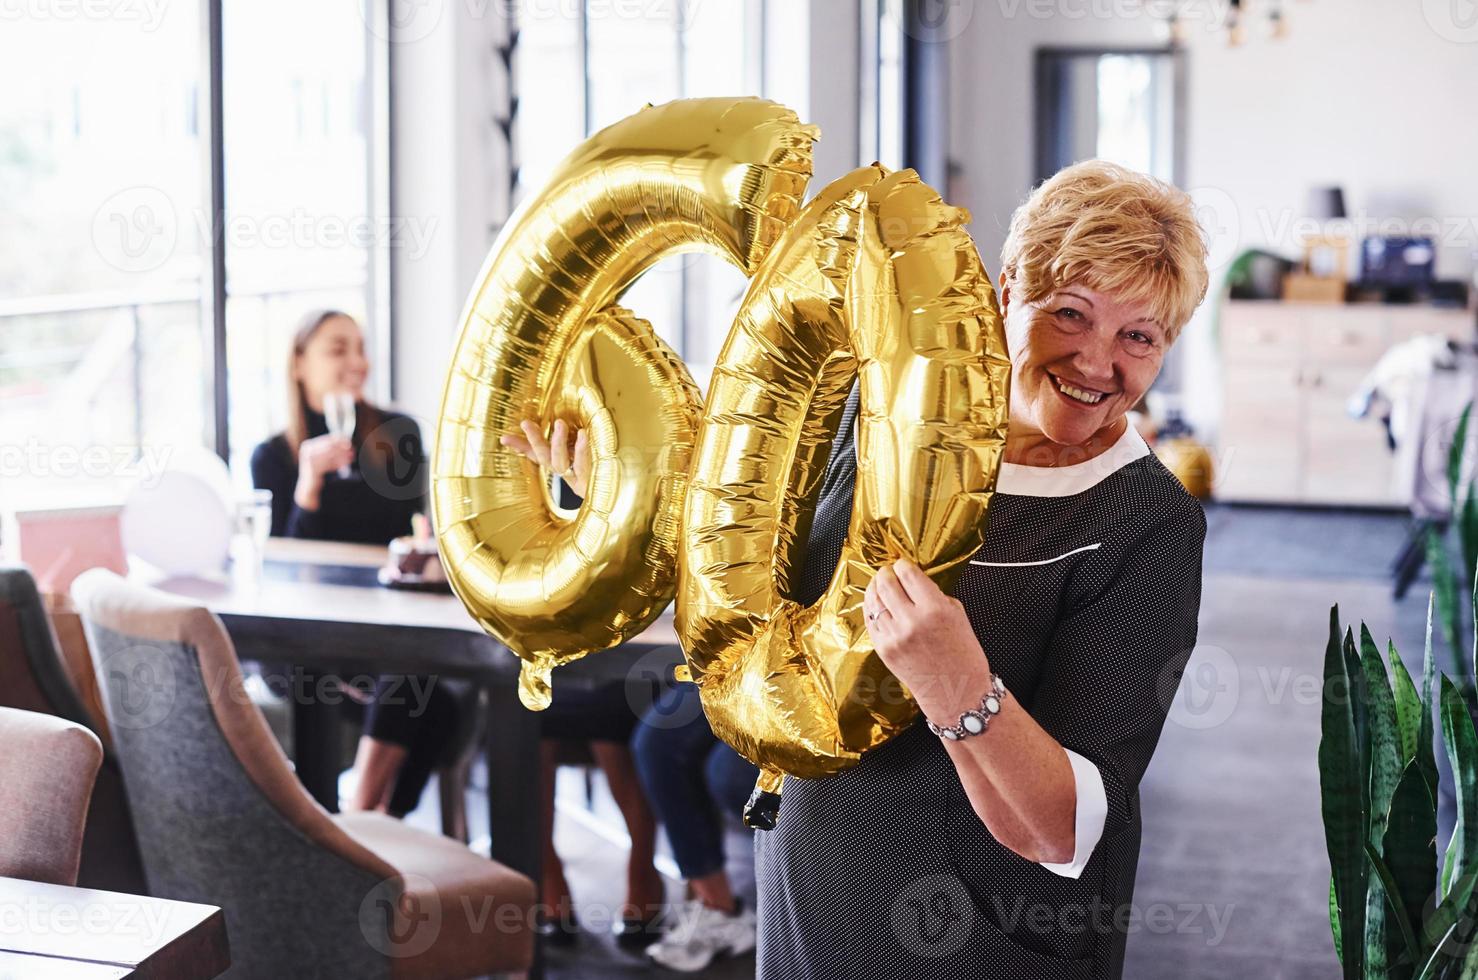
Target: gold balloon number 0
[{"x": 874, "y": 280}]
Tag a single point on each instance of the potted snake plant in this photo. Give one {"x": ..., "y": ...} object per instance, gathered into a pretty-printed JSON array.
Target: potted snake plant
[{"x": 1392, "y": 914}]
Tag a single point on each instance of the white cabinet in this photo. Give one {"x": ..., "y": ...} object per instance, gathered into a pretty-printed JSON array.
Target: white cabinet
[{"x": 1288, "y": 371}]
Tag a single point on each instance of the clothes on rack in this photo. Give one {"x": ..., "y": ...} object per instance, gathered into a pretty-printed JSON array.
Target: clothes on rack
[{"x": 1421, "y": 387}]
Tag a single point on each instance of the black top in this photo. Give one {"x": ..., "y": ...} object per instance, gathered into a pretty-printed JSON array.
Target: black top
[
  {"x": 1087, "y": 609},
  {"x": 371, "y": 506}
]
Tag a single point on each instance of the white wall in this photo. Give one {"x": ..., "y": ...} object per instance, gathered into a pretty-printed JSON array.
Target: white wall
[
  {"x": 449, "y": 169},
  {"x": 991, "y": 99},
  {"x": 1367, "y": 94}
]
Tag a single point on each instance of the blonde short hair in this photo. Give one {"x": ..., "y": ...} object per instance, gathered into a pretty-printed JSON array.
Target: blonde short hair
[{"x": 1112, "y": 229}]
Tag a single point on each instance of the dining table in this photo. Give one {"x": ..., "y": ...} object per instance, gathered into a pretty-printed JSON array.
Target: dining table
[
  {"x": 49, "y": 930},
  {"x": 320, "y": 607}
]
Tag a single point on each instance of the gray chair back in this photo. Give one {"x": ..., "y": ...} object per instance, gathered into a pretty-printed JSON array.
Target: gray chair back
[{"x": 221, "y": 817}]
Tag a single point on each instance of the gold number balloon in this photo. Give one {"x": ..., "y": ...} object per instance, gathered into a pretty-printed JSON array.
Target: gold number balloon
[
  {"x": 875, "y": 279},
  {"x": 540, "y": 339}
]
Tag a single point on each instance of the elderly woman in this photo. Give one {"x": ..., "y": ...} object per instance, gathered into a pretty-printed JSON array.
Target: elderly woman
[
  {"x": 1011, "y": 851},
  {"x": 1008, "y": 849}
]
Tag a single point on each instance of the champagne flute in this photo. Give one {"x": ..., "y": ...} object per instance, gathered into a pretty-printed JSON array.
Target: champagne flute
[{"x": 338, "y": 412}]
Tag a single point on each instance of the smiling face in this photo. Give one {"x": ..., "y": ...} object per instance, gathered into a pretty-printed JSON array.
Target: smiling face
[
  {"x": 333, "y": 359},
  {"x": 1080, "y": 360}
]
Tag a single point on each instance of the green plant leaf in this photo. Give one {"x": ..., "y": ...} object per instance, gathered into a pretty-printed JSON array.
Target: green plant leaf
[
  {"x": 1472, "y": 675},
  {"x": 1444, "y": 587},
  {"x": 1445, "y": 917},
  {"x": 1359, "y": 696},
  {"x": 1462, "y": 753},
  {"x": 1449, "y": 861},
  {"x": 1439, "y": 958},
  {"x": 1385, "y": 747},
  {"x": 1385, "y": 881},
  {"x": 1381, "y": 928},
  {"x": 1455, "y": 455},
  {"x": 1410, "y": 855},
  {"x": 1343, "y": 799},
  {"x": 1408, "y": 705},
  {"x": 1334, "y": 920},
  {"x": 1467, "y": 530},
  {"x": 1426, "y": 753}
]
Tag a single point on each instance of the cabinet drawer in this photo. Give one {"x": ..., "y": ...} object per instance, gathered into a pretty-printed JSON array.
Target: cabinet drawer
[
  {"x": 1261, "y": 395},
  {"x": 1261, "y": 333},
  {"x": 1454, "y": 324},
  {"x": 1256, "y": 470},
  {"x": 1349, "y": 470},
  {"x": 1345, "y": 336}
]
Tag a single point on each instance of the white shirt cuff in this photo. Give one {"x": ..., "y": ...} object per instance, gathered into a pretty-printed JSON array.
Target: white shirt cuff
[{"x": 1092, "y": 813}]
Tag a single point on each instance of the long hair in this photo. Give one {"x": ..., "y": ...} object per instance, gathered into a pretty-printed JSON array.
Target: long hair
[{"x": 367, "y": 418}]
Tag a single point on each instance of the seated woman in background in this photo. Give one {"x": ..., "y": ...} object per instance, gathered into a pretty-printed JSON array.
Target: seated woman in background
[{"x": 360, "y": 488}]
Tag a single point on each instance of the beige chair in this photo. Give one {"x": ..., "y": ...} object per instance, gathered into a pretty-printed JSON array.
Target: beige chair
[
  {"x": 47, "y": 668},
  {"x": 47, "y": 767},
  {"x": 221, "y": 819}
]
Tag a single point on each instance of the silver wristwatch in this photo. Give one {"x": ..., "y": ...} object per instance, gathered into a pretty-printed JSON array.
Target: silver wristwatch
[{"x": 977, "y": 721}]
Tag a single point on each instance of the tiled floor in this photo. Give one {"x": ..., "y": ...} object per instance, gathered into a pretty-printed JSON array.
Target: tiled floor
[{"x": 1233, "y": 872}]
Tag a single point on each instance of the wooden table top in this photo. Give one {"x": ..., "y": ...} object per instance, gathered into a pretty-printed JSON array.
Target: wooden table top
[
  {"x": 331, "y": 581},
  {"x": 57, "y": 931}
]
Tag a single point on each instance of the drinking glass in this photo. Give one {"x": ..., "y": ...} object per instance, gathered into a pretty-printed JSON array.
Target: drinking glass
[
  {"x": 338, "y": 412},
  {"x": 253, "y": 527}
]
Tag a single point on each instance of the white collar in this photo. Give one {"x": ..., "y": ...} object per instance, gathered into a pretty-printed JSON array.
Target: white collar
[{"x": 1064, "y": 481}]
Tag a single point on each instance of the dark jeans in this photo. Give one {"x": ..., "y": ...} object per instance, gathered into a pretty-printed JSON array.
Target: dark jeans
[{"x": 691, "y": 778}]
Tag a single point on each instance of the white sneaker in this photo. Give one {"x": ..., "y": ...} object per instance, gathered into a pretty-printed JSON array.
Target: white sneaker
[{"x": 700, "y": 934}]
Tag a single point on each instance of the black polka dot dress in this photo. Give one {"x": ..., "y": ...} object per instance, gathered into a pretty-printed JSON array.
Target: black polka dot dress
[{"x": 1084, "y": 597}]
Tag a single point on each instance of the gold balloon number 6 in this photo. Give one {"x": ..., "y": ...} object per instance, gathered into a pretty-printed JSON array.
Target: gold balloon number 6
[{"x": 874, "y": 280}]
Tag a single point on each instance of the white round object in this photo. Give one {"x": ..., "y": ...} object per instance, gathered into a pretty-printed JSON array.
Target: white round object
[{"x": 180, "y": 521}]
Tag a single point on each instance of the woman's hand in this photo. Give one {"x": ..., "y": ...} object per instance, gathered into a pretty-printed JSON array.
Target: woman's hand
[
  {"x": 925, "y": 638},
  {"x": 555, "y": 454},
  {"x": 316, "y": 457}
]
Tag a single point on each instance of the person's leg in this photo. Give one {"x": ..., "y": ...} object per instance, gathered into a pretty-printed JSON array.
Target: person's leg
[
  {"x": 645, "y": 894},
  {"x": 730, "y": 779},
  {"x": 376, "y": 765},
  {"x": 387, "y": 738},
  {"x": 435, "y": 713},
  {"x": 554, "y": 890},
  {"x": 671, "y": 746}
]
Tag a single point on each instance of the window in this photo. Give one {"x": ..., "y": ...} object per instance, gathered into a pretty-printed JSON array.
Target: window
[
  {"x": 303, "y": 230},
  {"x": 607, "y": 64},
  {"x": 102, "y": 349},
  {"x": 106, "y": 324},
  {"x": 1113, "y": 105}
]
